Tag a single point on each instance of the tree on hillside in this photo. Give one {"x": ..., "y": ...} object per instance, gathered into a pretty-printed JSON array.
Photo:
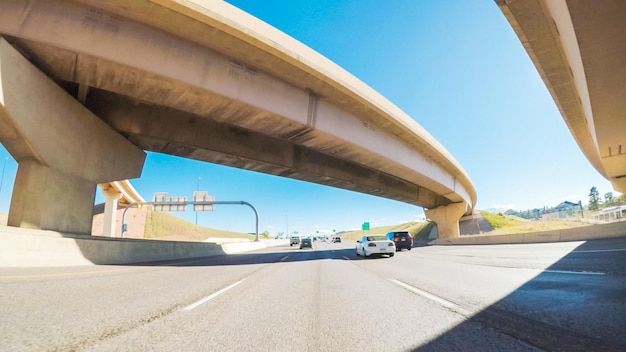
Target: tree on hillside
[
  {"x": 608, "y": 198},
  {"x": 621, "y": 199},
  {"x": 594, "y": 198}
]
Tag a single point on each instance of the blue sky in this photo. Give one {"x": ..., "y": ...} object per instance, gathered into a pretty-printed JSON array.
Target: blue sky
[{"x": 455, "y": 67}]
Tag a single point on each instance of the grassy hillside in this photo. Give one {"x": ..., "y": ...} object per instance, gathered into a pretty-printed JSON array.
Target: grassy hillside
[
  {"x": 504, "y": 225},
  {"x": 499, "y": 221},
  {"x": 165, "y": 226}
]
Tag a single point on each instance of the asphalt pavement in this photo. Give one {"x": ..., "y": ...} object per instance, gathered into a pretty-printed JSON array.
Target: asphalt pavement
[{"x": 554, "y": 296}]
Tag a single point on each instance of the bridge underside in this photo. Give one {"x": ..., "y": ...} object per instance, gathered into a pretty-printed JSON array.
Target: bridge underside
[
  {"x": 578, "y": 48},
  {"x": 248, "y": 108},
  {"x": 174, "y": 132},
  {"x": 166, "y": 116}
]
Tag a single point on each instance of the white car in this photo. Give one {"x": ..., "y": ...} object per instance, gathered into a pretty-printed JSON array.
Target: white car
[{"x": 375, "y": 245}]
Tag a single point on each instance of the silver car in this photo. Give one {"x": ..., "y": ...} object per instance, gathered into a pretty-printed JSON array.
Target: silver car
[{"x": 375, "y": 245}]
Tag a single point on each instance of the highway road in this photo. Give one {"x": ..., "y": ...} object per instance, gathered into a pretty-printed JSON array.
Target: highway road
[{"x": 556, "y": 296}]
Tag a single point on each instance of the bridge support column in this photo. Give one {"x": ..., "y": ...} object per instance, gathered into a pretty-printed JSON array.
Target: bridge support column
[
  {"x": 48, "y": 198},
  {"x": 447, "y": 219},
  {"x": 63, "y": 150},
  {"x": 111, "y": 197}
]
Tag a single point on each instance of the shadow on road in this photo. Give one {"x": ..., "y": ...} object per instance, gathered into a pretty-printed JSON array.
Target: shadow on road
[
  {"x": 577, "y": 304},
  {"x": 286, "y": 255}
]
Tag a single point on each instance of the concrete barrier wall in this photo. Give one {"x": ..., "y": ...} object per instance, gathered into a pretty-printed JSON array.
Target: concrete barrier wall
[
  {"x": 591, "y": 232},
  {"x": 31, "y": 248},
  {"x": 40, "y": 249},
  {"x": 21, "y": 247}
]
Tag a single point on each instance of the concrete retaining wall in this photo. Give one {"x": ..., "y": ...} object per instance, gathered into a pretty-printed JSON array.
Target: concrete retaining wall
[
  {"x": 616, "y": 229},
  {"x": 21, "y": 247}
]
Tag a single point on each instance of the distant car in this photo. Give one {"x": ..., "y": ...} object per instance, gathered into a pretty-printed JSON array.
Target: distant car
[
  {"x": 306, "y": 242},
  {"x": 294, "y": 240},
  {"x": 337, "y": 239},
  {"x": 375, "y": 245},
  {"x": 402, "y": 239}
]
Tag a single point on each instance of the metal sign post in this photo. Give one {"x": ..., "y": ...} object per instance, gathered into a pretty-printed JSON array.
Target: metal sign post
[
  {"x": 365, "y": 227},
  {"x": 180, "y": 205}
]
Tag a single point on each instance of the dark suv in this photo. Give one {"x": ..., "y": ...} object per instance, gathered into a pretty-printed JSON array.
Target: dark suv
[
  {"x": 306, "y": 242},
  {"x": 402, "y": 239}
]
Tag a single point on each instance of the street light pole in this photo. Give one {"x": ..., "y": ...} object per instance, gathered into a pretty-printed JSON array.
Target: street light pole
[
  {"x": 198, "y": 189},
  {"x": 580, "y": 204},
  {"x": 3, "y": 167}
]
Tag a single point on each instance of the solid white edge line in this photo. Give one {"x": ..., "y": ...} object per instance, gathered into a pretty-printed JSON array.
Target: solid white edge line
[
  {"x": 427, "y": 295},
  {"x": 598, "y": 250},
  {"x": 210, "y": 297},
  {"x": 563, "y": 271}
]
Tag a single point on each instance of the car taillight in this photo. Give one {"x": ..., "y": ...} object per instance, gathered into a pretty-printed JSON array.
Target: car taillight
[
  {"x": 395, "y": 239},
  {"x": 371, "y": 244},
  {"x": 390, "y": 244}
]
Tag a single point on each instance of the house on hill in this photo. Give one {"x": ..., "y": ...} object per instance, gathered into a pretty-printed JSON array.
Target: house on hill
[
  {"x": 617, "y": 213},
  {"x": 566, "y": 206}
]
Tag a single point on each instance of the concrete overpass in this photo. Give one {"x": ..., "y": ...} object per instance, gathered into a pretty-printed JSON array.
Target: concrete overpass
[
  {"x": 117, "y": 194},
  {"x": 202, "y": 80},
  {"x": 579, "y": 50}
]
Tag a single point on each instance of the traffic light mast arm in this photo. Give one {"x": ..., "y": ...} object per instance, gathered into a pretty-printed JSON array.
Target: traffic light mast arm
[{"x": 225, "y": 202}]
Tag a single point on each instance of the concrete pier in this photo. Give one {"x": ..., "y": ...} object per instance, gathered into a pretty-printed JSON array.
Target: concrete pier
[{"x": 63, "y": 150}]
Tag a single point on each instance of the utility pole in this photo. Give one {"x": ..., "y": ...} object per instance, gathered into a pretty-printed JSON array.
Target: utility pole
[
  {"x": 198, "y": 189},
  {"x": 580, "y": 204},
  {"x": 3, "y": 167}
]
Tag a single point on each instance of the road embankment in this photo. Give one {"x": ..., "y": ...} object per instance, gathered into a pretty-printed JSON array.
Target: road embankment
[{"x": 583, "y": 233}]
